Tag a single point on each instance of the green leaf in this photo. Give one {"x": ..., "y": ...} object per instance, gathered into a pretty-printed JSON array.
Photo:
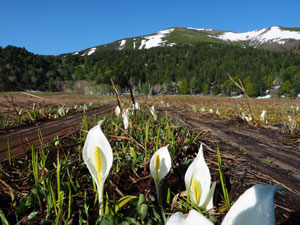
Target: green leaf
[
  {"x": 132, "y": 152},
  {"x": 3, "y": 219},
  {"x": 133, "y": 221},
  {"x": 109, "y": 220},
  {"x": 122, "y": 201},
  {"x": 142, "y": 211},
  {"x": 224, "y": 188},
  {"x": 141, "y": 199}
]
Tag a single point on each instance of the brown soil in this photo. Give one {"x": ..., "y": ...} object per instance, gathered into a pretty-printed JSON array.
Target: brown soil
[
  {"x": 9, "y": 100},
  {"x": 250, "y": 155},
  {"x": 22, "y": 139}
]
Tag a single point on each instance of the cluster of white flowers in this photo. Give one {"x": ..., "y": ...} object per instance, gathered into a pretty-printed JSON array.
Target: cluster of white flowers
[
  {"x": 126, "y": 113},
  {"x": 255, "y": 206}
]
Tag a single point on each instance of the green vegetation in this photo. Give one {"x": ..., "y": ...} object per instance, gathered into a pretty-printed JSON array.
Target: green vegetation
[
  {"x": 185, "y": 68},
  {"x": 291, "y": 28},
  {"x": 59, "y": 188},
  {"x": 182, "y": 36}
]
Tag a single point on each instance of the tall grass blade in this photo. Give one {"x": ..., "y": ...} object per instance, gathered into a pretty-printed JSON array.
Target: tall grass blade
[
  {"x": 223, "y": 183},
  {"x": 8, "y": 152},
  {"x": 3, "y": 218},
  {"x": 146, "y": 139}
]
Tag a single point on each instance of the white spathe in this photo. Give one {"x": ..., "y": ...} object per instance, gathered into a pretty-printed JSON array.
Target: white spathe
[
  {"x": 247, "y": 118},
  {"x": 262, "y": 115},
  {"x": 61, "y": 111},
  {"x": 117, "y": 111},
  {"x": 193, "y": 218},
  {"x": 97, "y": 139},
  {"x": 160, "y": 165},
  {"x": 254, "y": 206},
  {"x": 136, "y": 106},
  {"x": 125, "y": 115},
  {"x": 197, "y": 182},
  {"x": 152, "y": 110}
]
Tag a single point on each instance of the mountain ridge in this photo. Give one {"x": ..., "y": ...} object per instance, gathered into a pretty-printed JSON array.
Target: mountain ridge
[{"x": 270, "y": 38}]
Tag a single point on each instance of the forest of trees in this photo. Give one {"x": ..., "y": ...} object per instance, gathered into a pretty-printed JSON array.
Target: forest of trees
[{"x": 185, "y": 69}]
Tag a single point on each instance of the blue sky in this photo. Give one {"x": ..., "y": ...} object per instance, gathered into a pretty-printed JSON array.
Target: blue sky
[{"x": 52, "y": 27}]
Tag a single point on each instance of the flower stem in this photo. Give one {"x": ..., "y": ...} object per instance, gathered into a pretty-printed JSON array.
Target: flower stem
[{"x": 101, "y": 202}]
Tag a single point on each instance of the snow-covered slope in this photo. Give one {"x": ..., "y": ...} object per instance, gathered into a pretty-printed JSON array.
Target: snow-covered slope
[
  {"x": 267, "y": 35},
  {"x": 272, "y": 38},
  {"x": 122, "y": 44},
  {"x": 155, "y": 40}
]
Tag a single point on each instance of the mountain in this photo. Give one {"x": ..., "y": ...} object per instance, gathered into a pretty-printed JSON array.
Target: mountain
[
  {"x": 270, "y": 38},
  {"x": 175, "y": 60}
]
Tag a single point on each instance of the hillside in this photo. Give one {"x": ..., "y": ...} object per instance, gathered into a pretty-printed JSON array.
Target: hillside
[
  {"x": 270, "y": 38},
  {"x": 175, "y": 60}
]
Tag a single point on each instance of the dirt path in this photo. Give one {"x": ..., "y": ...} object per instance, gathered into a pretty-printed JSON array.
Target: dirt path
[
  {"x": 257, "y": 155},
  {"x": 21, "y": 140}
]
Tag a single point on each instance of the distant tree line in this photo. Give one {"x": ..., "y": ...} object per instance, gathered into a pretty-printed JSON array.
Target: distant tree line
[{"x": 185, "y": 69}]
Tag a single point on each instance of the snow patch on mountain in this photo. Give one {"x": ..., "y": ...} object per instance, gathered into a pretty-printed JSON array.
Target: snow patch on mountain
[
  {"x": 122, "y": 44},
  {"x": 272, "y": 34},
  {"x": 264, "y": 97},
  {"x": 92, "y": 50},
  {"x": 199, "y": 29},
  {"x": 155, "y": 40},
  {"x": 134, "y": 40},
  {"x": 171, "y": 44}
]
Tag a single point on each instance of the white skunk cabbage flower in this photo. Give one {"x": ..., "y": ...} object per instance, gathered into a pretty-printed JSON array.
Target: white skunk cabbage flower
[
  {"x": 218, "y": 112},
  {"x": 202, "y": 109},
  {"x": 125, "y": 115},
  {"x": 254, "y": 206},
  {"x": 117, "y": 111},
  {"x": 97, "y": 155},
  {"x": 136, "y": 106},
  {"x": 247, "y": 118},
  {"x": 61, "y": 111},
  {"x": 194, "y": 217},
  {"x": 152, "y": 110},
  {"x": 85, "y": 107},
  {"x": 262, "y": 115},
  {"x": 160, "y": 165},
  {"x": 197, "y": 182},
  {"x": 211, "y": 111}
]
